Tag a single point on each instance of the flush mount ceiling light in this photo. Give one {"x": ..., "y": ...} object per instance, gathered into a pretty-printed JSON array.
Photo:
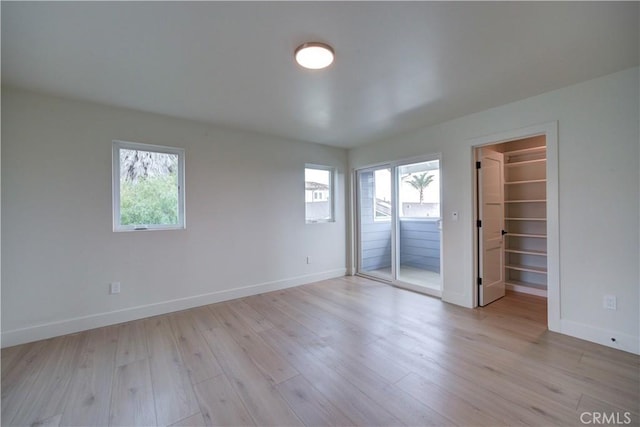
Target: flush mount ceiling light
[{"x": 314, "y": 56}]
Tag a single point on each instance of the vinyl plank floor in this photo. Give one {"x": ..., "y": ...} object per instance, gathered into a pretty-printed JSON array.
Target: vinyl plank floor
[
  {"x": 172, "y": 389},
  {"x": 90, "y": 389},
  {"x": 220, "y": 405},
  {"x": 46, "y": 397},
  {"x": 346, "y": 351},
  {"x": 132, "y": 402},
  {"x": 200, "y": 362},
  {"x": 132, "y": 343},
  {"x": 263, "y": 402}
]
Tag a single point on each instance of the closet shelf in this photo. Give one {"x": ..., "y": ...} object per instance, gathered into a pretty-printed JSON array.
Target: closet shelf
[
  {"x": 526, "y": 252},
  {"x": 526, "y": 181},
  {"x": 528, "y": 268},
  {"x": 526, "y": 150},
  {"x": 527, "y": 284},
  {"x": 539, "y": 236},
  {"x": 525, "y": 162},
  {"x": 525, "y": 201}
]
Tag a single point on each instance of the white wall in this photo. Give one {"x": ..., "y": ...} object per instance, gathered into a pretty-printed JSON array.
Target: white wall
[
  {"x": 59, "y": 251},
  {"x": 598, "y": 144}
]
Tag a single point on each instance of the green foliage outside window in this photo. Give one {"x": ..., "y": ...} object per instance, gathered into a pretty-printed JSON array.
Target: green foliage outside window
[
  {"x": 148, "y": 188},
  {"x": 150, "y": 200}
]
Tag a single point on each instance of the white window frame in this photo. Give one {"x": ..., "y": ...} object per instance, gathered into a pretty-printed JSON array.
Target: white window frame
[
  {"x": 116, "y": 147},
  {"x": 332, "y": 192}
]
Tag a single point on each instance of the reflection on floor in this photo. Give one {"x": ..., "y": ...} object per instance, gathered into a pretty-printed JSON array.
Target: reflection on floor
[{"x": 412, "y": 275}]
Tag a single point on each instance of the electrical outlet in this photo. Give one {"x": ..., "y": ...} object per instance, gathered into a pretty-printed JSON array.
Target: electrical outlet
[
  {"x": 308, "y": 260},
  {"x": 609, "y": 302},
  {"x": 114, "y": 288}
]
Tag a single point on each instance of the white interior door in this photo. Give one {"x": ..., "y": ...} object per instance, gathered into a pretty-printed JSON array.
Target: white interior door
[{"x": 491, "y": 215}]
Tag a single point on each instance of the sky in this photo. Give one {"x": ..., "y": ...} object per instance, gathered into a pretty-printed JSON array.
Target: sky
[{"x": 317, "y": 175}]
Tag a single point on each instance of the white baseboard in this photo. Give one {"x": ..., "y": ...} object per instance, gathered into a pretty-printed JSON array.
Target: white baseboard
[
  {"x": 526, "y": 290},
  {"x": 77, "y": 324},
  {"x": 625, "y": 342}
]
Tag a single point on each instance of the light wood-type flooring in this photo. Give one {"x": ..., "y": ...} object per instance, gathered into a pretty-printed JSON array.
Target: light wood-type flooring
[{"x": 340, "y": 352}]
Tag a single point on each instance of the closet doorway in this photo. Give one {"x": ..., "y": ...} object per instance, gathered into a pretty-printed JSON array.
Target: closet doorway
[
  {"x": 529, "y": 264},
  {"x": 512, "y": 225},
  {"x": 399, "y": 224}
]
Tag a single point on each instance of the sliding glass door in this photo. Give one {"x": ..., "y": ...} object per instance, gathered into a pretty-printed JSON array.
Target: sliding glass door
[
  {"x": 399, "y": 224},
  {"x": 375, "y": 215},
  {"x": 419, "y": 224}
]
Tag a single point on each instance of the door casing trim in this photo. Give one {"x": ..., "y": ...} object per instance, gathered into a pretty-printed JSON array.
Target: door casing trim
[{"x": 550, "y": 131}]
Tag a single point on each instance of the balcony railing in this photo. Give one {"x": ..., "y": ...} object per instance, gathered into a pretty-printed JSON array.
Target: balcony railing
[{"x": 419, "y": 244}]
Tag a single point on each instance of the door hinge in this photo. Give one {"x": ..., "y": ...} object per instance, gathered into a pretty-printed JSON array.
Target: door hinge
[
  {"x": 479, "y": 223},
  {"x": 479, "y": 281},
  {"x": 478, "y": 165}
]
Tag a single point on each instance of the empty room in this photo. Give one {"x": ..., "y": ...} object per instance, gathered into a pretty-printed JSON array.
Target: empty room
[{"x": 320, "y": 213}]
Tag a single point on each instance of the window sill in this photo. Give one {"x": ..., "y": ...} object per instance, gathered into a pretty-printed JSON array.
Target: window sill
[{"x": 126, "y": 230}]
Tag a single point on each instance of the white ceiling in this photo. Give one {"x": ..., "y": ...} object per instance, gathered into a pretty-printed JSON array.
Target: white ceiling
[{"x": 399, "y": 66}]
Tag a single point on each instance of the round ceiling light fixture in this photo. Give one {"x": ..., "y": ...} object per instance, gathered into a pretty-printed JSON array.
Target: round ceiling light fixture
[{"x": 314, "y": 56}]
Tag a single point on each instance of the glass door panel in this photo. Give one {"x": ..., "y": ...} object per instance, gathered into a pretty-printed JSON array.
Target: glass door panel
[
  {"x": 375, "y": 219},
  {"x": 419, "y": 224}
]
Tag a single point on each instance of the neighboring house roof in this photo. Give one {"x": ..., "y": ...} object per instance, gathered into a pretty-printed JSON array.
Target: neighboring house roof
[{"x": 310, "y": 185}]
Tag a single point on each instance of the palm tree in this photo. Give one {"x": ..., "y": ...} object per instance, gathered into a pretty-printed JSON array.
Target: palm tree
[{"x": 420, "y": 182}]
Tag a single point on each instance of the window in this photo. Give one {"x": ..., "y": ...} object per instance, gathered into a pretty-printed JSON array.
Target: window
[
  {"x": 318, "y": 194},
  {"x": 419, "y": 190},
  {"x": 148, "y": 187},
  {"x": 382, "y": 195}
]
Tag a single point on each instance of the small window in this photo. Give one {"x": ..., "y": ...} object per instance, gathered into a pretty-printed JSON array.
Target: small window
[
  {"x": 318, "y": 183},
  {"x": 148, "y": 187}
]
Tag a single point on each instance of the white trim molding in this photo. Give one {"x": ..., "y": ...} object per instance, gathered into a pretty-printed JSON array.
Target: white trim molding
[
  {"x": 83, "y": 323},
  {"x": 624, "y": 342}
]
